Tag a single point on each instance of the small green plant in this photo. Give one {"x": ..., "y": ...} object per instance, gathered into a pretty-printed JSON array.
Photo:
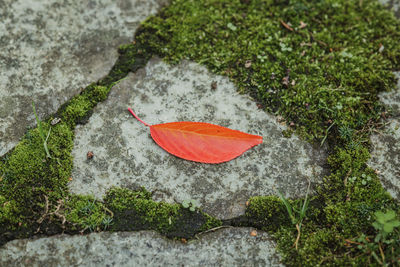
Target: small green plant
[
  {"x": 326, "y": 133},
  {"x": 89, "y": 207},
  {"x": 387, "y": 248},
  {"x": 385, "y": 224},
  {"x": 365, "y": 179},
  {"x": 41, "y": 131},
  {"x": 368, "y": 247},
  {"x": 190, "y": 204},
  {"x": 346, "y": 133},
  {"x": 296, "y": 215},
  {"x": 107, "y": 222}
]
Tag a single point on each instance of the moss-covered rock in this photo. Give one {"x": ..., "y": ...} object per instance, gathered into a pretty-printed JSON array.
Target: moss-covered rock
[
  {"x": 319, "y": 64},
  {"x": 8, "y": 212}
]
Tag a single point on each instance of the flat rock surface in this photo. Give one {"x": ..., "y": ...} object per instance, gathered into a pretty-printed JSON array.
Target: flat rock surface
[
  {"x": 51, "y": 49},
  {"x": 225, "y": 247},
  {"x": 385, "y": 155},
  {"x": 125, "y": 155}
]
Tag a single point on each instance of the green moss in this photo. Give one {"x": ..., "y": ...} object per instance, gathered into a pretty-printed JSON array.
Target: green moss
[
  {"x": 267, "y": 213},
  {"x": 210, "y": 223},
  {"x": 352, "y": 192},
  {"x": 79, "y": 108},
  {"x": 28, "y": 175},
  {"x": 100, "y": 93},
  {"x": 140, "y": 210},
  {"x": 122, "y": 198},
  {"x": 8, "y": 211},
  {"x": 85, "y": 213},
  {"x": 29, "y": 178},
  {"x": 320, "y": 247},
  {"x": 317, "y": 243},
  {"x": 135, "y": 210}
]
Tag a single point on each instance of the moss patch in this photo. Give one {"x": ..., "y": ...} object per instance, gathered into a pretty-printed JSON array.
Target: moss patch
[
  {"x": 267, "y": 213},
  {"x": 135, "y": 210},
  {"x": 28, "y": 175},
  {"x": 85, "y": 213}
]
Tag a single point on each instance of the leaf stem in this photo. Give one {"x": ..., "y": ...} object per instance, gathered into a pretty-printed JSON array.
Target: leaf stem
[{"x": 134, "y": 115}]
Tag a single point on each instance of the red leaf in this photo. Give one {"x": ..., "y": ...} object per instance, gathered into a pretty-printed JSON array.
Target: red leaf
[{"x": 201, "y": 142}]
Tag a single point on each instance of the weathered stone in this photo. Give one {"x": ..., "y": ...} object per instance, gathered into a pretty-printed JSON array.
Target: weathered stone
[
  {"x": 385, "y": 155},
  {"x": 51, "y": 49},
  {"x": 226, "y": 247},
  {"x": 125, "y": 155}
]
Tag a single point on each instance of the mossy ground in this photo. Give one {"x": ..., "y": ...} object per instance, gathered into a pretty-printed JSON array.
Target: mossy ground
[{"x": 318, "y": 64}]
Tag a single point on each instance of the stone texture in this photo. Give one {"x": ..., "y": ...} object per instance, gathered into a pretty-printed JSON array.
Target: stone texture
[
  {"x": 126, "y": 156},
  {"x": 225, "y": 247},
  {"x": 385, "y": 155},
  {"x": 51, "y": 49}
]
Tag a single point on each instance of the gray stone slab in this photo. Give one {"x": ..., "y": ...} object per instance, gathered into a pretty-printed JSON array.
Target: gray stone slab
[
  {"x": 50, "y": 49},
  {"x": 126, "y": 156},
  {"x": 385, "y": 154},
  {"x": 226, "y": 247}
]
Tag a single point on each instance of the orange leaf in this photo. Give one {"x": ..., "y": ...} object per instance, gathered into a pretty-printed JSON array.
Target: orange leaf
[{"x": 201, "y": 142}]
